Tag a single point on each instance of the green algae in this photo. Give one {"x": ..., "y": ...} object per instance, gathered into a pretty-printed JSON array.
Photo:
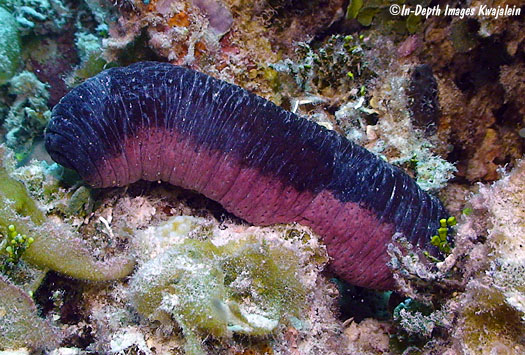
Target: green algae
[
  {"x": 55, "y": 246},
  {"x": 14, "y": 245},
  {"x": 377, "y": 13},
  {"x": 241, "y": 287},
  {"x": 20, "y": 325},
  {"x": 490, "y": 322},
  {"x": 353, "y": 8},
  {"x": 14, "y": 196}
]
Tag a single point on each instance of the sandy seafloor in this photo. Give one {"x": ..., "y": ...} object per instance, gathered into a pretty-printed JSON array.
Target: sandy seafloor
[{"x": 151, "y": 268}]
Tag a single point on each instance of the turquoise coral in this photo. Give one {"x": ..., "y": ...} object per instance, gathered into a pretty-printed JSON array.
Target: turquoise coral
[
  {"x": 38, "y": 16},
  {"x": 9, "y": 46},
  {"x": 29, "y": 114}
]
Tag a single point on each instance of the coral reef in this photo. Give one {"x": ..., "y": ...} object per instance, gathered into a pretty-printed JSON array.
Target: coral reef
[
  {"x": 333, "y": 69},
  {"x": 484, "y": 277},
  {"x": 368, "y": 337},
  {"x": 440, "y": 96},
  {"x": 388, "y": 117},
  {"x": 39, "y": 16},
  {"x": 181, "y": 31},
  {"x": 206, "y": 279},
  {"x": 471, "y": 60},
  {"x": 398, "y": 139}
]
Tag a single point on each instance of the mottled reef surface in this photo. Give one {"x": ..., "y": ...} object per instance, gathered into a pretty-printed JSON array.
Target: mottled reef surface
[{"x": 155, "y": 269}]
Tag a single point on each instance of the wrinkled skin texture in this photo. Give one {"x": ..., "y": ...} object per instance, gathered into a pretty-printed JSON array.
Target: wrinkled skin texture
[{"x": 156, "y": 121}]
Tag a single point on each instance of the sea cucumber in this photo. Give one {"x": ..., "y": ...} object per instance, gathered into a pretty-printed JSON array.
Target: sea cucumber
[
  {"x": 423, "y": 99},
  {"x": 156, "y": 121}
]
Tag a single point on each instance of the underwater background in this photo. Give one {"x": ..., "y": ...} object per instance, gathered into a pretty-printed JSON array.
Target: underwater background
[{"x": 151, "y": 268}]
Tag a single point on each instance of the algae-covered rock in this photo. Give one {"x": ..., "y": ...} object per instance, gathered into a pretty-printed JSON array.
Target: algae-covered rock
[
  {"x": 20, "y": 325},
  {"x": 187, "y": 283},
  {"x": 9, "y": 46},
  {"x": 55, "y": 245},
  {"x": 492, "y": 317},
  {"x": 241, "y": 287},
  {"x": 90, "y": 52}
]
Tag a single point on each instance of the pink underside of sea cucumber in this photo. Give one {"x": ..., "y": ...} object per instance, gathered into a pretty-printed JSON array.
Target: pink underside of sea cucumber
[{"x": 356, "y": 240}]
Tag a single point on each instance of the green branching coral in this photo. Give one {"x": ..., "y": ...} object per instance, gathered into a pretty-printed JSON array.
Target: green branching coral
[
  {"x": 13, "y": 245},
  {"x": 241, "y": 287}
]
